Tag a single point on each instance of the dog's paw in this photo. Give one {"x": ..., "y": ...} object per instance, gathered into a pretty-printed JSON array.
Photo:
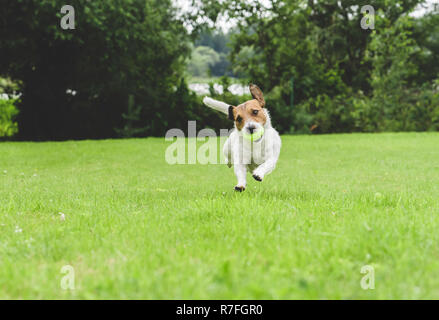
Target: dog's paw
[
  {"x": 257, "y": 178},
  {"x": 239, "y": 188}
]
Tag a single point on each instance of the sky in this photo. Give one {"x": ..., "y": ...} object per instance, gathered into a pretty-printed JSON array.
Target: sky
[{"x": 225, "y": 24}]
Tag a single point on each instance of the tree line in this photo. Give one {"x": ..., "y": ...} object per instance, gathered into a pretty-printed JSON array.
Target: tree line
[{"x": 121, "y": 72}]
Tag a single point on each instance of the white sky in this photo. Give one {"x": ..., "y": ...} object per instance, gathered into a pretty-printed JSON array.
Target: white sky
[{"x": 225, "y": 24}]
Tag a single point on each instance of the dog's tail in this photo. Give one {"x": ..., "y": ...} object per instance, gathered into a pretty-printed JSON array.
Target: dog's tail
[{"x": 216, "y": 105}]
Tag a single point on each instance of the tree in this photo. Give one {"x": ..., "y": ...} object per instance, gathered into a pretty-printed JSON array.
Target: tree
[
  {"x": 203, "y": 58},
  {"x": 76, "y": 83},
  {"x": 321, "y": 44},
  {"x": 401, "y": 96}
]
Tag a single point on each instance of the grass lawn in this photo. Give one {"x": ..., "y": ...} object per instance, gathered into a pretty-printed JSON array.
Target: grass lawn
[{"x": 136, "y": 227}]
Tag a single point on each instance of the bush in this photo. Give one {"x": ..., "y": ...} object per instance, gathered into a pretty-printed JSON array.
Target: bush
[
  {"x": 327, "y": 114},
  {"x": 8, "y": 112},
  {"x": 281, "y": 112}
]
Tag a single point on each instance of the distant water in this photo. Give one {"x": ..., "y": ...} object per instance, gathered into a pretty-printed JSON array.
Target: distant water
[{"x": 203, "y": 88}]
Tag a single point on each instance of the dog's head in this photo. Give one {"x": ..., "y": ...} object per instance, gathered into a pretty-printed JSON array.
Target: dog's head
[{"x": 250, "y": 115}]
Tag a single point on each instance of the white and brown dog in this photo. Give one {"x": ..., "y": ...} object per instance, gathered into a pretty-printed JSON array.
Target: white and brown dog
[{"x": 251, "y": 117}]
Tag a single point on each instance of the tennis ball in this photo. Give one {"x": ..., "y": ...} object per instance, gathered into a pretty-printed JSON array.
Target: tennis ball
[{"x": 255, "y": 136}]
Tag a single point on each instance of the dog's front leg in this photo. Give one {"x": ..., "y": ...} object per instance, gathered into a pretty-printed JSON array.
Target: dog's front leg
[
  {"x": 241, "y": 175},
  {"x": 265, "y": 168},
  {"x": 271, "y": 154}
]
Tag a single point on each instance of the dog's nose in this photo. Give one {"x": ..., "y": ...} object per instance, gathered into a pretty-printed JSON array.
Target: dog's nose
[{"x": 251, "y": 129}]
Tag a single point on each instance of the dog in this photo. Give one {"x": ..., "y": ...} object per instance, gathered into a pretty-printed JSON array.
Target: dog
[{"x": 251, "y": 118}]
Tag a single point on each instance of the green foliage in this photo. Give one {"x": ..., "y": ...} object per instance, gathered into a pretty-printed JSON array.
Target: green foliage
[
  {"x": 329, "y": 114},
  {"x": 8, "y": 113},
  {"x": 217, "y": 40},
  {"x": 118, "y": 49},
  {"x": 132, "y": 118},
  {"x": 226, "y": 95},
  {"x": 8, "y": 108},
  {"x": 8, "y": 86},
  {"x": 126, "y": 62},
  {"x": 399, "y": 102},
  {"x": 282, "y": 115},
  {"x": 426, "y": 34},
  {"x": 210, "y": 56},
  {"x": 203, "y": 58},
  {"x": 346, "y": 79}
]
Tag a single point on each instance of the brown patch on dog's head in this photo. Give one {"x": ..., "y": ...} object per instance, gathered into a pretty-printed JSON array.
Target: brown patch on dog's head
[
  {"x": 251, "y": 110},
  {"x": 248, "y": 111}
]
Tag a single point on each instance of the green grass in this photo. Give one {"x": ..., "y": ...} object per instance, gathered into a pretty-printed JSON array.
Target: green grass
[{"x": 136, "y": 227}]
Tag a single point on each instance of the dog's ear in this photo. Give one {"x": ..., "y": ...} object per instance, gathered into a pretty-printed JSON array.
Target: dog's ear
[
  {"x": 231, "y": 113},
  {"x": 257, "y": 94}
]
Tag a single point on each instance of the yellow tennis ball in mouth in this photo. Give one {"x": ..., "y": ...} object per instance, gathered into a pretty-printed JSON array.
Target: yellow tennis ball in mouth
[{"x": 254, "y": 136}]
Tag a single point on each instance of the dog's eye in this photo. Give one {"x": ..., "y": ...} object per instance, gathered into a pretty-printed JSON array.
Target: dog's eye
[
  {"x": 239, "y": 119},
  {"x": 255, "y": 112}
]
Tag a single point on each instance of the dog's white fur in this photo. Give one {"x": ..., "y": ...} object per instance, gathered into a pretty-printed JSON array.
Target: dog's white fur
[{"x": 259, "y": 157}]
